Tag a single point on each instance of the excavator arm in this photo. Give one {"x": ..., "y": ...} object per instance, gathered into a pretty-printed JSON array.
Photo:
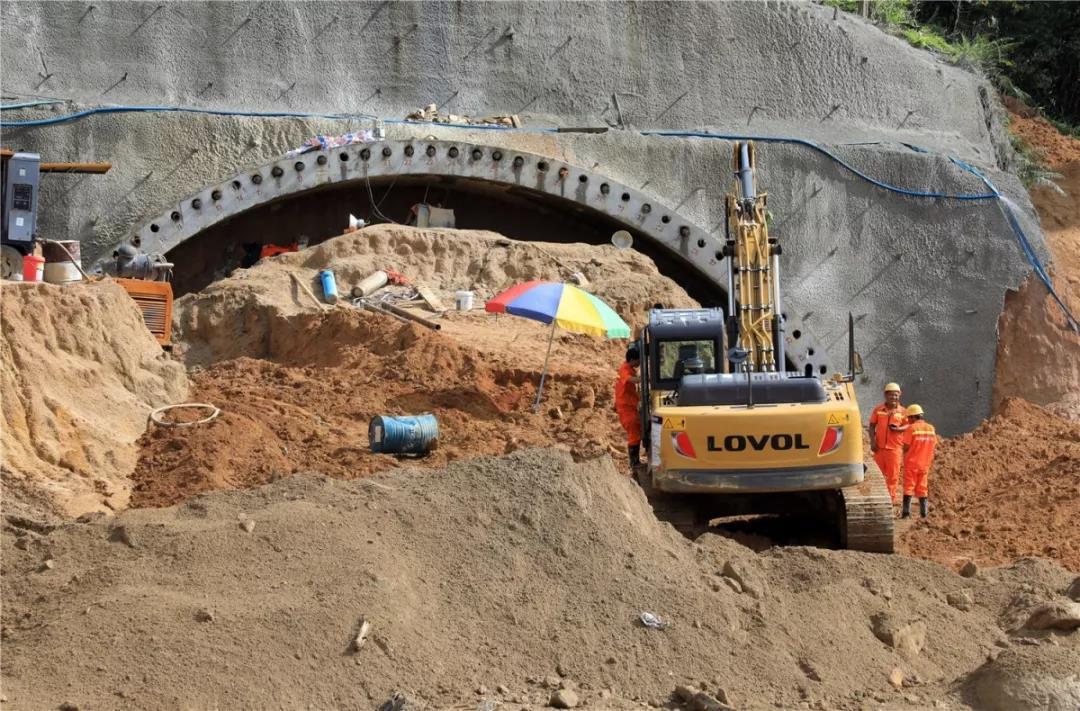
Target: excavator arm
[{"x": 753, "y": 269}]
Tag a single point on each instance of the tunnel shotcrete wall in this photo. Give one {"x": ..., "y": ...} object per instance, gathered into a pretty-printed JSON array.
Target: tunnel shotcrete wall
[{"x": 924, "y": 278}]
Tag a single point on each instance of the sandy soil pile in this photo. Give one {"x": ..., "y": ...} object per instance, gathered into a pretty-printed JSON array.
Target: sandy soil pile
[
  {"x": 309, "y": 408},
  {"x": 497, "y": 579},
  {"x": 1038, "y": 355},
  {"x": 238, "y": 316},
  {"x": 79, "y": 373},
  {"x": 1009, "y": 489},
  {"x": 298, "y": 386}
]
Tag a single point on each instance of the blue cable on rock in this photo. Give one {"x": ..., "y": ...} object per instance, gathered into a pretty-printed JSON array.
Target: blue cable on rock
[
  {"x": 994, "y": 194},
  {"x": 53, "y": 120}
]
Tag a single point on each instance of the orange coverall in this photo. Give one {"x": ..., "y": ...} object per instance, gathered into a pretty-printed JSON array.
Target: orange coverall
[
  {"x": 919, "y": 441},
  {"x": 890, "y": 452},
  {"x": 626, "y": 404}
]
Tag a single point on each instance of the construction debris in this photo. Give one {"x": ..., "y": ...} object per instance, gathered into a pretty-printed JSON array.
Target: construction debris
[
  {"x": 431, "y": 114},
  {"x": 363, "y": 629}
]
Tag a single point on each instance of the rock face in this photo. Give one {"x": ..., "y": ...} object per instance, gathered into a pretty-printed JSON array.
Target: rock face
[
  {"x": 563, "y": 699},
  {"x": 908, "y": 638},
  {"x": 1041, "y": 678},
  {"x": 747, "y": 581},
  {"x": 1057, "y": 615},
  {"x": 960, "y": 599}
]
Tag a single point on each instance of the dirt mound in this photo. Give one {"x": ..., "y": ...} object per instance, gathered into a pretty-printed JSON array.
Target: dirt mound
[
  {"x": 80, "y": 373},
  {"x": 1009, "y": 489},
  {"x": 1059, "y": 149},
  {"x": 486, "y": 574},
  {"x": 240, "y": 315},
  {"x": 337, "y": 370}
]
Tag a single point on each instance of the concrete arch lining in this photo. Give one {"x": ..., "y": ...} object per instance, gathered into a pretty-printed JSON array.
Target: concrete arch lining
[{"x": 287, "y": 177}]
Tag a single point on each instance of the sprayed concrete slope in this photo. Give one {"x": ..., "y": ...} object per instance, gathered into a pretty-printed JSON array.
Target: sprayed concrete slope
[
  {"x": 673, "y": 65},
  {"x": 925, "y": 278}
]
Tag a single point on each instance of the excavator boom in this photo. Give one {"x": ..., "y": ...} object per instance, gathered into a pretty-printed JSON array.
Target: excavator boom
[{"x": 754, "y": 269}]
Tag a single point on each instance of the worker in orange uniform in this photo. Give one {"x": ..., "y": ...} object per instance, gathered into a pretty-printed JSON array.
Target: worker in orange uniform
[
  {"x": 886, "y": 432},
  {"x": 919, "y": 440},
  {"x": 627, "y": 403}
]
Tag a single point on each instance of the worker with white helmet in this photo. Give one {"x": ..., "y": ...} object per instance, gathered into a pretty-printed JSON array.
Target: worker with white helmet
[{"x": 886, "y": 433}]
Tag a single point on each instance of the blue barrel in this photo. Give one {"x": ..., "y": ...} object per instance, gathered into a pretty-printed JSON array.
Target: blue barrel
[
  {"x": 329, "y": 285},
  {"x": 410, "y": 434}
]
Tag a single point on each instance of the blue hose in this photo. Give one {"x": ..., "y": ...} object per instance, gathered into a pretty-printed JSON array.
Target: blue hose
[
  {"x": 28, "y": 104},
  {"x": 53, "y": 120},
  {"x": 994, "y": 194},
  {"x": 828, "y": 154}
]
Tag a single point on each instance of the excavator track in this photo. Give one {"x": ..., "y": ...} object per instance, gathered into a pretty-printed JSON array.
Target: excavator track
[
  {"x": 866, "y": 517},
  {"x": 863, "y": 513}
]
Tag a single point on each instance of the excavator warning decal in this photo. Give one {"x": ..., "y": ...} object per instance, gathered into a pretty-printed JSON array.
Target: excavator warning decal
[
  {"x": 674, "y": 423},
  {"x": 841, "y": 418}
]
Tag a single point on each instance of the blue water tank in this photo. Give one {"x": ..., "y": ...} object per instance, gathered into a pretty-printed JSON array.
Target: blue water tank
[{"x": 409, "y": 434}]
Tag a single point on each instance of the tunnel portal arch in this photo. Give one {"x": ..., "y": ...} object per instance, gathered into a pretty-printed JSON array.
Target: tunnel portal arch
[{"x": 679, "y": 240}]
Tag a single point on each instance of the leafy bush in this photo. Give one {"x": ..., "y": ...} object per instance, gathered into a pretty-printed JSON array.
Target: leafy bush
[
  {"x": 982, "y": 52},
  {"x": 927, "y": 38}
]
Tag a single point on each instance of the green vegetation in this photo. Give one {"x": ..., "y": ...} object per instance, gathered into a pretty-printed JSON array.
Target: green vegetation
[
  {"x": 892, "y": 13},
  {"x": 927, "y": 38},
  {"x": 1030, "y": 50}
]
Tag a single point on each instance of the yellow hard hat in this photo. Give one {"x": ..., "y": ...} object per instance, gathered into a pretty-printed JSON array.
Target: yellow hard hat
[
  {"x": 892, "y": 388},
  {"x": 913, "y": 410}
]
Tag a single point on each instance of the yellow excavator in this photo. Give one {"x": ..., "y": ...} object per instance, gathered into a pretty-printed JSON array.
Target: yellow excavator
[{"x": 729, "y": 431}]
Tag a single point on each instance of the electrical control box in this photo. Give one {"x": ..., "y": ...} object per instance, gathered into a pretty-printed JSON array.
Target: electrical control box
[{"x": 20, "y": 185}]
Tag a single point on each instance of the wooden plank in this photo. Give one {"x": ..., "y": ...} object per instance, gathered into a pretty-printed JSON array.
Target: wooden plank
[
  {"x": 95, "y": 168},
  {"x": 430, "y": 299}
]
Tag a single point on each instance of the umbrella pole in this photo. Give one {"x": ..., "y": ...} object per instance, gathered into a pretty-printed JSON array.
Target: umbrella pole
[{"x": 543, "y": 373}]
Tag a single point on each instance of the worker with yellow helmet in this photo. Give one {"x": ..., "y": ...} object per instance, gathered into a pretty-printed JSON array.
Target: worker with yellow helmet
[
  {"x": 919, "y": 440},
  {"x": 886, "y": 433}
]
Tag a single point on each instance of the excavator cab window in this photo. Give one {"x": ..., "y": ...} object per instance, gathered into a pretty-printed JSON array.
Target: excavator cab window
[{"x": 676, "y": 355}]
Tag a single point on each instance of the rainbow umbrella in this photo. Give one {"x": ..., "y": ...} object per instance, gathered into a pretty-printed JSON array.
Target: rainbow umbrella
[{"x": 562, "y": 305}]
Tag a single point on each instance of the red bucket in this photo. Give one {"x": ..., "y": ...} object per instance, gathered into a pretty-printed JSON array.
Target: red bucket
[{"x": 33, "y": 268}]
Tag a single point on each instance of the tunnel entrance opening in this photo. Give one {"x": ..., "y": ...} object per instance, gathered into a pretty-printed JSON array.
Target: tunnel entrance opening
[{"x": 321, "y": 213}]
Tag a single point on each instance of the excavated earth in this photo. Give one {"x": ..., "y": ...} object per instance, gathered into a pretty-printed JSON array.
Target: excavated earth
[
  {"x": 498, "y": 579},
  {"x": 1009, "y": 489},
  {"x": 1038, "y": 355},
  {"x": 79, "y": 373}
]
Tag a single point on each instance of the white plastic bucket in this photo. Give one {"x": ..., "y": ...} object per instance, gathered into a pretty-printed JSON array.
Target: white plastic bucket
[
  {"x": 61, "y": 272},
  {"x": 464, "y": 300}
]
